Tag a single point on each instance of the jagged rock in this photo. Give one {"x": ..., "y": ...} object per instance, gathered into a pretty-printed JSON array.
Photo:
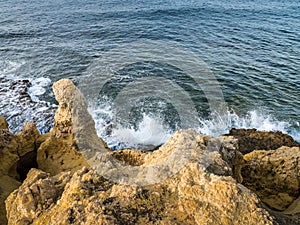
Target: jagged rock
[
  {"x": 7, "y": 185},
  {"x": 64, "y": 91},
  {"x": 191, "y": 197},
  {"x": 3, "y": 123},
  {"x": 132, "y": 157},
  {"x": 28, "y": 139},
  {"x": 17, "y": 156},
  {"x": 274, "y": 175},
  {"x": 8, "y": 158},
  {"x": 8, "y": 151},
  {"x": 252, "y": 139},
  {"x": 59, "y": 154},
  {"x": 59, "y": 151},
  {"x": 38, "y": 192},
  {"x": 227, "y": 146}
]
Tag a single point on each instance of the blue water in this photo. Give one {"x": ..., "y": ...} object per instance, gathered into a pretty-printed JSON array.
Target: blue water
[{"x": 252, "y": 48}]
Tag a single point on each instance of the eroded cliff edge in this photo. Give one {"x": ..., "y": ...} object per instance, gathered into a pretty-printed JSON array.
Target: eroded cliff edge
[{"x": 247, "y": 177}]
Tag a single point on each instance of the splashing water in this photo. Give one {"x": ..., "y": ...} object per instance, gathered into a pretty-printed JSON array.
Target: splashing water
[
  {"x": 221, "y": 124},
  {"x": 152, "y": 131}
]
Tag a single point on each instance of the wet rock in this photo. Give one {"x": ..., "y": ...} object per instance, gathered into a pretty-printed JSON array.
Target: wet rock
[
  {"x": 273, "y": 175},
  {"x": 252, "y": 139},
  {"x": 18, "y": 107}
]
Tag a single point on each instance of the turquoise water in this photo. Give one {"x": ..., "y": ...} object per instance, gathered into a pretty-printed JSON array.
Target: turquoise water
[{"x": 252, "y": 48}]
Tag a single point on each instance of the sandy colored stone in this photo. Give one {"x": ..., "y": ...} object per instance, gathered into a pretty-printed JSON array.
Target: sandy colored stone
[
  {"x": 27, "y": 139},
  {"x": 130, "y": 156},
  {"x": 7, "y": 185},
  {"x": 192, "y": 196},
  {"x": 8, "y": 152},
  {"x": 274, "y": 175},
  {"x": 3, "y": 123},
  {"x": 58, "y": 151},
  {"x": 59, "y": 154},
  {"x": 204, "y": 190},
  {"x": 38, "y": 193}
]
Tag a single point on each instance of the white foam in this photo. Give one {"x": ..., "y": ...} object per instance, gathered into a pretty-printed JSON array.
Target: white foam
[
  {"x": 9, "y": 68},
  {"x": 150, "y": 131},
  {"x": 221, "y": 124},
  {"x": 38, "y": 87}
]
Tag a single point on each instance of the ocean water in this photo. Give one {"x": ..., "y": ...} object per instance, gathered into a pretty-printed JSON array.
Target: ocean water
[{"x": 140, "y": 63}]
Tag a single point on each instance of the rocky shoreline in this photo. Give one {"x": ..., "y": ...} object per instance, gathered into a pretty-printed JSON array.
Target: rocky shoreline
[
  {"x": 18, "y": 107},
  {"x": 244, "y": 177}
]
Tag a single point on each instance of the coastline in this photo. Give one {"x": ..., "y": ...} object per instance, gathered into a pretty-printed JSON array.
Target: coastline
[{"x": 246, "y": 169}]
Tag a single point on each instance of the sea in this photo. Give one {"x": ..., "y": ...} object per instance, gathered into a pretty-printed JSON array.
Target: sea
[{"x": 148, "y": 68}]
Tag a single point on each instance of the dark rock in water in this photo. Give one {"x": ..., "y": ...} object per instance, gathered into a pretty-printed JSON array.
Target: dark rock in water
[
  {"x": 18, "y": 107},
  {"x": 252, "y": 139}
]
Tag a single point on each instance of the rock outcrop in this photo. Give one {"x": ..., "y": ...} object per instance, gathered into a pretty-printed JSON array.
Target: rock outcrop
[
  {"x": 17, "y": 156},
  {"x": 191, "y": 179},
  {"x": 252, "y": 139},
  {"x": 59, "y": 152},
  {"x": 274, "y": 175},
  {"x": 193, "y": 196}
]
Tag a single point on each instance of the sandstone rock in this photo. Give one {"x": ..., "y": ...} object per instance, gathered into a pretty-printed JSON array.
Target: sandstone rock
[
  {"x": 132, "y": 157},
  {"x": 7, "y": 185},
  {"x": 27, "y": 139},
  {"x": 274, "y": 175},
  {"x": 59, "y": 154},
  {"x": 8, "y": 152},
  {"x": 191, "y": 179},
  {"x": 17, "y": 156},
  {"x": 3, "y": 123},
  {"x": 252, "y": 139},
  {"x": 228, "y": 148},
  {"x": 64, "y": 91},
  {"x": 191, "y": 196},
  {"x": 37, "y": 194},
  {"x": 58, "y": 151}
]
